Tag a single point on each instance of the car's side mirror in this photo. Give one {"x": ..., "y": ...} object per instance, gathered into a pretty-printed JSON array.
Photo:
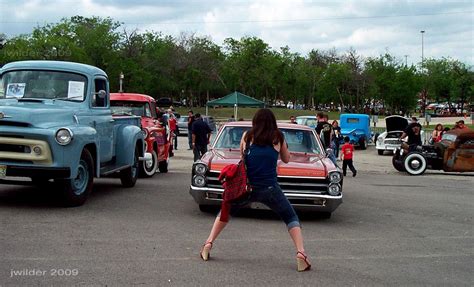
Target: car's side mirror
[{"x": 328, "y": 151}]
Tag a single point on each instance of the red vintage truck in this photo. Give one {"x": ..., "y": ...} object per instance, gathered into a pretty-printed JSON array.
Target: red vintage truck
[{"x": 157, "y": 138}]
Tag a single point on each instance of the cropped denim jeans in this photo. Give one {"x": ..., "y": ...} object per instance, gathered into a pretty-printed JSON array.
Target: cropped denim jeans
[{"x": 273, "y": 197}]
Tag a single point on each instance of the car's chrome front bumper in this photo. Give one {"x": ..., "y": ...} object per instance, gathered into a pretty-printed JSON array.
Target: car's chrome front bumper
[{"x": 299, "y": 201}]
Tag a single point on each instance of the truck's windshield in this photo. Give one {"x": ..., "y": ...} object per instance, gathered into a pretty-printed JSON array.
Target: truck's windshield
[{"x": 36, "y": 84}]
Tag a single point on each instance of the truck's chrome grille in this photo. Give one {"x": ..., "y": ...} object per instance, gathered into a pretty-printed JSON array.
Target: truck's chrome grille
[{"x": 15, "y": 148}]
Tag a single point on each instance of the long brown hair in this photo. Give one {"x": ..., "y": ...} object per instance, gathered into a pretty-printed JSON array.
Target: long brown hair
[{"x": 264, "y": 129}]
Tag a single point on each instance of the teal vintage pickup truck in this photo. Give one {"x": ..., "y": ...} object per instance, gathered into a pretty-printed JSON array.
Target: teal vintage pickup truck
[{"x": 56, "y": 124}]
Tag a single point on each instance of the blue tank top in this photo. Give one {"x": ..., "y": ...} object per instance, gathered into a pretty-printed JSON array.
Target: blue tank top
[{"x": 261, "y": 164}]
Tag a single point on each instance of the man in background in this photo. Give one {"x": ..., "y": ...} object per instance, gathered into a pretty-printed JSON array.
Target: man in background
[
  {"x": 325, "y": 132},
  {"x": 190, "y": 125},
  {"x": 201, "y": 134}
]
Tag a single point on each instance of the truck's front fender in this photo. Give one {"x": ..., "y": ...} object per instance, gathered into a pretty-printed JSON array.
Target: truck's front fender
[{"x": 82, "y": 136}]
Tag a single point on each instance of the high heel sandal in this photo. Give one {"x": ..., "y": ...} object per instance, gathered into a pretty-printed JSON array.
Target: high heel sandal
[
  {"x": 206, "y": 252},
  {"x": 302, "y": 262}
]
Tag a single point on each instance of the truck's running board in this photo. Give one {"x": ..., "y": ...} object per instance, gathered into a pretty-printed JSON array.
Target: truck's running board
[{"x": 111, "y": 171}]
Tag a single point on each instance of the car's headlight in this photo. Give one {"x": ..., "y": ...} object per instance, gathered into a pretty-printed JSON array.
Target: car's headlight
[
  {"x": 334, "y": 189},
  {"x": 63, "y": 136},
  {"x": 199, "y": 181},
  {"x": 200, "y": 168},
  {"x": 335, "y": 177}
]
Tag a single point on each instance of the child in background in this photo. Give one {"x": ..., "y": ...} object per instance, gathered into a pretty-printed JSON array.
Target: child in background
[{"x": 347, "y": 152}]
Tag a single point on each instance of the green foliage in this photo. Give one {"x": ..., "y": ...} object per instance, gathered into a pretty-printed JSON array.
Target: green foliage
[{"x": 196, "y": 69}]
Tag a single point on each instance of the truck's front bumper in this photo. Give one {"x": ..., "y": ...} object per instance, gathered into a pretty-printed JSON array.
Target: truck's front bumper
[
  {"x": 299, "y": 201},
  {"x": 34, "y": 171}
]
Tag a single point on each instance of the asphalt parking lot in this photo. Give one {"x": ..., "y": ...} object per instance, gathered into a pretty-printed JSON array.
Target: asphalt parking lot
[{"x": 392, "y": 229}]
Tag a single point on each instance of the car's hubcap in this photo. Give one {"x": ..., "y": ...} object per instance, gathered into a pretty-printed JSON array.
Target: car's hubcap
[
  {"x": 415, "y": 164},
  {"x": 149, "y": 164},
  {"x": 80, "y": 182}
]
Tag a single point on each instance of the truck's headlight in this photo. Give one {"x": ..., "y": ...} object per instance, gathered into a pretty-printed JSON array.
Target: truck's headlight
[
  {"x": 145, "y": 133},
  {"x": 334, "y": 189},
  {"x": 200, "y": 168},
  {"x": 199, "y": 181},
  {"x": 335, "y": 177},
  {"x": 63, "y": 136}
]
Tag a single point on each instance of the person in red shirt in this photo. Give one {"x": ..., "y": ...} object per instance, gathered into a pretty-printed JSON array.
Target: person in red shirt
[
  {"x": 173, "y": 127},
  {"x": 347, "y": 153}
]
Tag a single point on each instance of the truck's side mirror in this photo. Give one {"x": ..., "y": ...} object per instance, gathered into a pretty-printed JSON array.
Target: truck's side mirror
[{"x": 101, "y": 94}]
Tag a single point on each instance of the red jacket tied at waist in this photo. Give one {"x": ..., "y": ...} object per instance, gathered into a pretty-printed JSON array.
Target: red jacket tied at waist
[{"x": 234, "y": 181}]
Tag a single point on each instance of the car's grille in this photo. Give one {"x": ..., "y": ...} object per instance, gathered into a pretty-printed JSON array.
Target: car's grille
[
  {"x": 287, "y": 184},
  {"x": 392, "y": 141}
]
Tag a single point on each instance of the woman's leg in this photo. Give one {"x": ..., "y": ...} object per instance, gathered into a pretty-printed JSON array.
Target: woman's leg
[
  {"x": 217, "y": 227},
  {"x": 297, "y": 237}
]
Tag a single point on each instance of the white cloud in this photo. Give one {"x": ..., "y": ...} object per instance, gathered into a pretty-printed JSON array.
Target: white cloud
[{"x": 369, "y": 26}]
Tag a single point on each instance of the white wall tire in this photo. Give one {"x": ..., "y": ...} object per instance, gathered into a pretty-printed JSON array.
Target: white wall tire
[
  {"x": 415, "y": 164},
  {"x": 148, "y": 168}
]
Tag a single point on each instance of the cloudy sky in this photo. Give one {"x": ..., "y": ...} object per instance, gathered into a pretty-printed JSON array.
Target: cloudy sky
[{"x": 371, "y": 27}]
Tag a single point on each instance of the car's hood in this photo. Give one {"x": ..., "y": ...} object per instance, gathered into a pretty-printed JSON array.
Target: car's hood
[
  {"x": 39, "y": 115},
  {"x": 396, "y": 123},
  {"x": 300, "y": 164}
]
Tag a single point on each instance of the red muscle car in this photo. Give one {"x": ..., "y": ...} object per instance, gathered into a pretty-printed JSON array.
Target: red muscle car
[
  {"x": 157, "y": 140},
  {"x": 310, "y": 180}
]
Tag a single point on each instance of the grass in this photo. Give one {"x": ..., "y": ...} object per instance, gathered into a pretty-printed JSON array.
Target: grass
[{"x": 247, "y": 113}]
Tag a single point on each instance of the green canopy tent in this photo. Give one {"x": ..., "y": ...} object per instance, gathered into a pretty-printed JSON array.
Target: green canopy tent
[{"x": 235, "y": 100}]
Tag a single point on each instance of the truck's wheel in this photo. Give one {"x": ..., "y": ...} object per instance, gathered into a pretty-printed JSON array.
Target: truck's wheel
[
  {"x": 363, "y": 143},
  {"x": 148, "y": 168},
  {"x": 415, "y": 164},
  {"x": 163, "y": 166},
  {"x": 380, "y": 151},
  {"x": 75, "y": 191},
  {"x": 129, "y": 176}
]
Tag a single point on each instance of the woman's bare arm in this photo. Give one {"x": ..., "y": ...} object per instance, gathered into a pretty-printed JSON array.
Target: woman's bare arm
[
  {"x": 242, "y": 144},
  {"x": 284, "y": 153}
]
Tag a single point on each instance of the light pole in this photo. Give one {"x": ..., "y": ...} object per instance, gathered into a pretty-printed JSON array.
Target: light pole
[
  {"x": 422, "y": 49},
  {"x": 121, "y": 82},
  {"x": 423, "y": 92},
  {"x": 406, "y": 61}
]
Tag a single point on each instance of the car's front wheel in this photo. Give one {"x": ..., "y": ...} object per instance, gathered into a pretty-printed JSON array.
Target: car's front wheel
[
  {"x": 380, "y": 151},
  {"x": 397, "y": 161},
  {"x": 74, "y": 192},
  {"x": 415, "y": 164}
]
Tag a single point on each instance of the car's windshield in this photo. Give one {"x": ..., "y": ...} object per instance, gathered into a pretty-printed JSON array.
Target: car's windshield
[
  {"x": 183, "y": 119},
  {"x": 310, "y": 122},
  {"x": 141, "y": 109},
  {"x": 449, "y": 137},
  {"x": 43, "y": 85},
  {"x": 298, "y": 140}
]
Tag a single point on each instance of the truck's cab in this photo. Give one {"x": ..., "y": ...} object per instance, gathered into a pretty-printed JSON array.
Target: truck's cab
[{"x": 56, "y": 124}]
